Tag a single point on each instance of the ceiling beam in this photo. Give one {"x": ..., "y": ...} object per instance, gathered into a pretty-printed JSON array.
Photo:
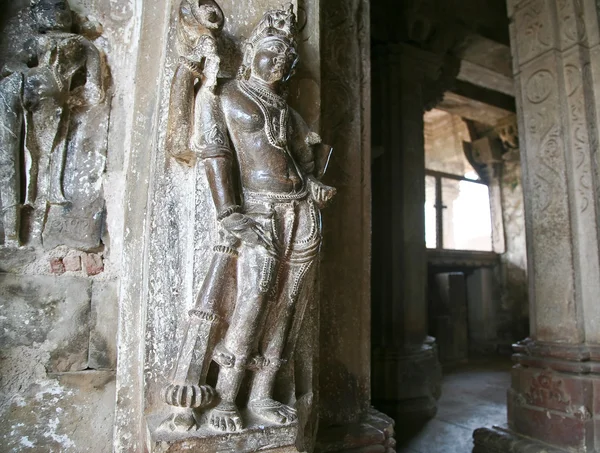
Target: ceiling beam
[{"x": 488, "y": 79}]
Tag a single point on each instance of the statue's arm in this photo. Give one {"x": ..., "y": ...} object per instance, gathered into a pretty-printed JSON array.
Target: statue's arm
[
  {"x": 312, "y": 156},
  {"x": 302, "y": 141},
  {"x": 94, "y": 86},
  {"x": 211, "y": 142},
  {"x": 92, "y": 92},
  {"x": 22, "y": 60}
]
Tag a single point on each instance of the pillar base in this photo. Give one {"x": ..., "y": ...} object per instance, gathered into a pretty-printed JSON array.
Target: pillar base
[
  {"x": 554, "y": 398},
  {"x": 502, "y": 440},
  {"x": 374, "y": 432},
  {"x": 407, "y": 383}
]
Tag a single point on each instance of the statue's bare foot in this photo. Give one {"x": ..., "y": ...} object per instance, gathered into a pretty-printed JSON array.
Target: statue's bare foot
[
  {"x": 225, "y": 417},
  {"x": 179, "y": 421},
  {"x": 273, "y": 411}
]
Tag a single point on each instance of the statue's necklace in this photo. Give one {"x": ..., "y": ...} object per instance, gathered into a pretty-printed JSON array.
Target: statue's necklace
[{"x": 274, "y": 109}]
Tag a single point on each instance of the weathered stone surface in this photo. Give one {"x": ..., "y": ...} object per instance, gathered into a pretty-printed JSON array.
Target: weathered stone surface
[
  {"x": 373, "y": 433},
  {"x": 21, "y": 367},
  {"x": 46, "y": 313},
  {"x": 256, "y": 437},
  {"x": 54, "y": 77},
  {"x": 80, "y": 223},
  {"x": 63, "y": 413},
  {"x": 103, "y": 325},
  {"x": 11, "y": 121},
  {"x": 79, "y": 228},
  {"x": 14, "y": 260}
]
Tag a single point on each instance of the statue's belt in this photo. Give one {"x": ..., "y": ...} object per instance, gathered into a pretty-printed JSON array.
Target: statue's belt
[{"x": 274, "y": 197}]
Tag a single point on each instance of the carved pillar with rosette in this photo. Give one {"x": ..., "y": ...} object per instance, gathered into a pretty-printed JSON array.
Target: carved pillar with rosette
[
  {"x": 406, "y": 371},
  {"x": 555, "y": 392}
]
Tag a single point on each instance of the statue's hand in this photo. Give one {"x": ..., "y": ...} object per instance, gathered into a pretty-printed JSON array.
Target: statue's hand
[
  {"x": 320, "y": 192},
  {"x": 40, "y": 83},
  {"x": 84, "y": 96},
  {"x": 247, "y": 230}
]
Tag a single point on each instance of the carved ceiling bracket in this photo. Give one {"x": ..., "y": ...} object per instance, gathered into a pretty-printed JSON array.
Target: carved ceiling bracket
[
  {"x": 434, "y": 72},
  {"x": 508, "y": 131}
]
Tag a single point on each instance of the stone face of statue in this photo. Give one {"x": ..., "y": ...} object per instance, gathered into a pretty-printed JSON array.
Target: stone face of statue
[
  {"x": 273, "y": 60},
  {"x": 52, "y": 15}
]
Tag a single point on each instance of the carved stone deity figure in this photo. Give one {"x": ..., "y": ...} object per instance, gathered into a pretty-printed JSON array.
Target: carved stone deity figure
[
  {"x": 263, "y": 166},
  {"x": 53, "y": 72}
]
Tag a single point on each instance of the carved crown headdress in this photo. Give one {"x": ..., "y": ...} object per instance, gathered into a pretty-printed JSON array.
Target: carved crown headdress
[{"x": 278, "y": 22}]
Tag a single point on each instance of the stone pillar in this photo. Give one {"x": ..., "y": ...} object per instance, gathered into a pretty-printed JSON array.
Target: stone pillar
[
  {"x": 555, "y": 392},
  {"x": 513, "y": 263},
  {"x": 347, "y": 422},
  {"x": 406, "y": 371}
]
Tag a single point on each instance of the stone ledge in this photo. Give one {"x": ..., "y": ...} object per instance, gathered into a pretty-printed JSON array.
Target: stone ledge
[
  {"x": 373, "y": 433},
  {"x": 501, "y": 440},
  {"x": 417, "y": 378},
  {"x": 253, "y": 438}
]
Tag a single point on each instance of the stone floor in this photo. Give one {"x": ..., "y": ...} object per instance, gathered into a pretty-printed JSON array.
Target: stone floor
[{"x": 473, "y": 395}]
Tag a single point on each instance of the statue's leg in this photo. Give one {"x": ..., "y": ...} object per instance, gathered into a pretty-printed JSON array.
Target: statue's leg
[
  {"x": 256, "y": 272},
  {"x": 58, "y": 156},
  {"x": 42, "y": 129},
  {"x": 286, "y": 313},
  {"x": 11, "y": 122}
]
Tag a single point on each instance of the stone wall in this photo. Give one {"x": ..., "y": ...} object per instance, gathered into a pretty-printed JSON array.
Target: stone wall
[
  {"x": 64, "y": 306},
  {"x": 59, "y": 298}
]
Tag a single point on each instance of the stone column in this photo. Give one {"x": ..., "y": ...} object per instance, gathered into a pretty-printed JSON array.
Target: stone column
[
  {"x": 406, "y": 371},
  {"x": 555, "y": 392},
  {"x": 347, "y": 422},
  {"x": 513, "y": 263}
]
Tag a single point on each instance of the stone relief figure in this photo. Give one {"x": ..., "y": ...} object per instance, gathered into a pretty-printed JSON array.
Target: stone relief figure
[
  {"x": 263, "y": 166},
  {"x": 200, "y": 22},
  {"x": 53, "y": 73}
]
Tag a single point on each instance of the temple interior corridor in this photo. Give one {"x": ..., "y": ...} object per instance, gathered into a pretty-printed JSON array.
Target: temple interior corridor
[{"x": 473, "y": 395}]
